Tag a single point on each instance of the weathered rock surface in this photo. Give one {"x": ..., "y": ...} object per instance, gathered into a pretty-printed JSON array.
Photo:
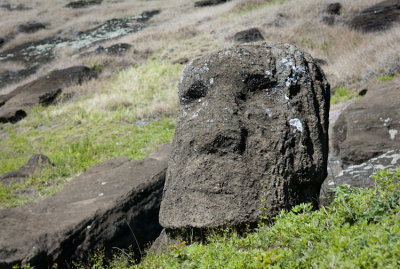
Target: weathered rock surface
[
  {"x": 249, "y": 35},
  {"x": 10, "y": 76},
  {"x": 114, "y": 204},
  {"x": 31, "y": 27},
  {"x": 19, "y": 7},
  {"x": 34, "y": 164},
  {"x": 42, "y": 91},
  {"x": 252, "y": 124},
  {"x": 333, "y": 8},
  {"x": 83, "y": 3},
  {"x": 39, "y": 52},
  {"x": 205, "y": 3},
  {"x": 360, "y": 175},
  {"x": 377, "y": 17},
  {"x": 370, "y": 126},
  {"x": 118, "y": 49}
]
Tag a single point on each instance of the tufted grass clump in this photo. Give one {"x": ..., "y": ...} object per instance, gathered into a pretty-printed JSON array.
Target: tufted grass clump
[
  {"x": 343, "y": 94},
  {"x": 386, "y": 78}
]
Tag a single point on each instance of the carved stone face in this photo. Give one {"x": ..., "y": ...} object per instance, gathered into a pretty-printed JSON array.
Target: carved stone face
[{"x": 252, "y": 124}]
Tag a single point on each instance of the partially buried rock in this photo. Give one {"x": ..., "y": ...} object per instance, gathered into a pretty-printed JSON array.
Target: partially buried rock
[
  {"x": 333, "y": 8},
  {"x": 83, "y": 3},
  {"x": 34, "y": 164},
  {"x": 205, "y": 3},
  {"x": 370, "y": 126},
  {"x": 112, "y": 206},
  {"x": 378, "y": 17},
  {"x": 42, "y": 91},
  {"x": 31, "y": 27},
  {"x": 249, "y": 35},
  {"x": 360, "y": 175},
  {"x": 252, "y": 132},
  {"x": 118, "y": 49}
]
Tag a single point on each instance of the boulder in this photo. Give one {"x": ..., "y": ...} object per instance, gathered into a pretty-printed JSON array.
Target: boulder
[
  {"x": 378, "y": 17},
  {"x": 205, "y": 3},
  {"x": 83, "y": 3},
  {"x": 34, "y": 164},
  {"x": 118, "y": 49},
  {"x": 113, "y": 205},
  {"x": 249, "y": 35},
  {"x": 42, "y": 91},
  {"x": 360, "y": 175},
  {"x": 252, "y": 133},
  {"x": 31, "y": 27},
  {"x": 370, "y": 126},
  {"x": 333, "y": 8}
]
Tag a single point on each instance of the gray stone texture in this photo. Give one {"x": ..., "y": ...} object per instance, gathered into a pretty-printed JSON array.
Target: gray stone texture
[{"x": 252, "y": 131}]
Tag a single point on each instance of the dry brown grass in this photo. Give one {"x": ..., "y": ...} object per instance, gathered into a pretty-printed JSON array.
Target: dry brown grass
[{"x": 181, "y": 30}]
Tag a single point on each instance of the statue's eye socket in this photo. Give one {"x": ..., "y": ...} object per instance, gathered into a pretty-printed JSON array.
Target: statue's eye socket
[{"x": 197, "y": 90}]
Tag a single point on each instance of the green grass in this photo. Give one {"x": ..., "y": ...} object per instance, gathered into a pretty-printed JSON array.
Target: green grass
[
  {"x": 92, "y": 129},
  {"x": 343, "y": 94},
  {"x": 386, "y": 78}
]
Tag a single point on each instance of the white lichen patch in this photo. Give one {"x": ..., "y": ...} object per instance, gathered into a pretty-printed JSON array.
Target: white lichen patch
[
  {"x": 296, "y": 123},
  {"x": 386, "y": 122},
  {"x": 393, "y": 133}
]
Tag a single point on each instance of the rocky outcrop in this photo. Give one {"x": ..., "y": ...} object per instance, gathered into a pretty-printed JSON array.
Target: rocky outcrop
[
  {"x": 114, "y": 204},
  {"x": 378, "y": 17},
  {"x": 252, "y": 132},
  {"x": 249, "y": 35},
  {"x": 205, "y": 3},
  {"x": 10, "y": 76},
  {"x": 38, "y": 52},
  {"x": 42, "y": 91},
  {"x": 370, "y": 126},
  {"x": 34, "y": 164},
  {"x": 360, "y": 175},
  {"x": 83, "y": 3},
  {"x": 31, "y": 27}
]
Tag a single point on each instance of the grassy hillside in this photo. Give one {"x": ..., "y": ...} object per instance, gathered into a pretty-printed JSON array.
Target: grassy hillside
[{"x": 130, "y": 109}]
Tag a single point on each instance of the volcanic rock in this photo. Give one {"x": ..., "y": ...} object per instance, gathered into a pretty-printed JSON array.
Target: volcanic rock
[
  {"x": 9, "y": 76},
  {"x": 42, "y": 91},
  {"x": 249, "y": 35},
  {"x": 118, "y": 49},
  {"x": 83, "y": 3},
  {"x": 31, "y": 27},
  {"x": 370, "y": 126},
  {"x": 360, "y": 175},
  {"x": 205, "y": 3},
  {"x": 34, "y": 164},
  {"x": 252, "y": 132},
  {"x": 333, "y": 8},
  {"x": 114, "y": 204},
  {"x": 377, "y": 17}
]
